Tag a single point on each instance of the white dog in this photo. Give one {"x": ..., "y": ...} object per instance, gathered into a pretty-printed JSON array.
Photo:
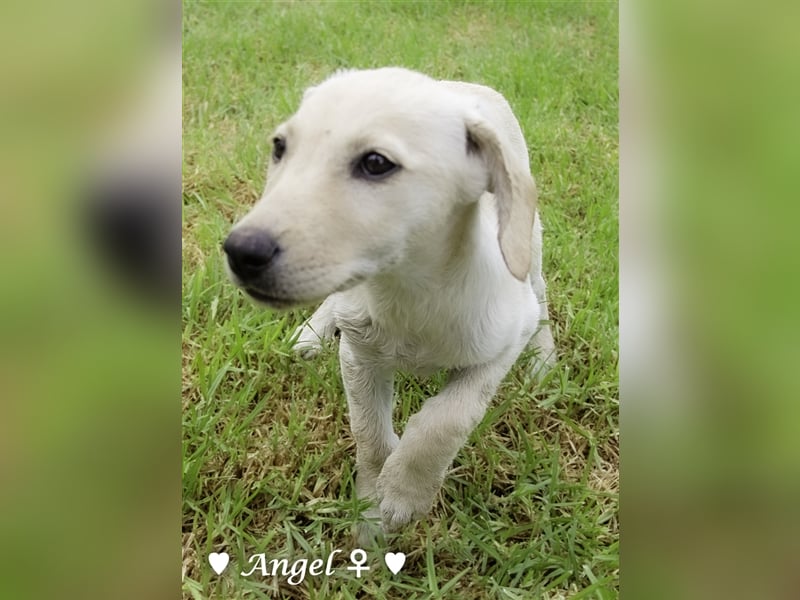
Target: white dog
[{"x": 408, "y": 203}]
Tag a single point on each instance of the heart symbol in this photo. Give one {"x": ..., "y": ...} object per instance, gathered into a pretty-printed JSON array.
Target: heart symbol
[
  {"x": 219, "y": 561},
  {"x": 394, "y": 561}
]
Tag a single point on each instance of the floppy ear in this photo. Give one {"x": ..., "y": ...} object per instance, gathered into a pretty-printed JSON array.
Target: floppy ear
[{"x": 506, "y": 158}]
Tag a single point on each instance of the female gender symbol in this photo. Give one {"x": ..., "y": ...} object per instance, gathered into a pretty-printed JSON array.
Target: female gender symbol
[{"x": 358, "y": 557}]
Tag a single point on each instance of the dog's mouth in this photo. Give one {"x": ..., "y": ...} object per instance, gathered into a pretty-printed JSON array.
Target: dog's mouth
[
  {"x": 272, "y": 301},
  {"x": 283, "y": 302}
]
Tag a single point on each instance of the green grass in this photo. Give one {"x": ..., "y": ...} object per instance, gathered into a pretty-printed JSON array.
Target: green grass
[{"x": 530, "y": 508}]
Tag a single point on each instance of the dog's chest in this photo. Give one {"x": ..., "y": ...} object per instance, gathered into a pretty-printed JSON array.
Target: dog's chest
[
  {"x": 423, "y": 354},
  {"x": 424, "y": 342},
  {"x": 444, "y": 331}
]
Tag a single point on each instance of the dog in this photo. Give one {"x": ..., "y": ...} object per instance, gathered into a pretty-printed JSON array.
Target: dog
[{"x": 408, "y": 206}]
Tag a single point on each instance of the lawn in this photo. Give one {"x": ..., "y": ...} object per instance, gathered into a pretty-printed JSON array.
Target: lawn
[{"x": 530, "y": 506}]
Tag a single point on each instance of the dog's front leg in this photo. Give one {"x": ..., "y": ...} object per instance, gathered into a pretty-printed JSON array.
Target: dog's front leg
[
  {"x": 308, "y": 338},
  {"x": 413, "y": 474},
  {"x": 369, "y": 390}
]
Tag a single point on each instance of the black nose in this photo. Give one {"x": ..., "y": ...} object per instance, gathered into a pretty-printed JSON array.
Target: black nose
[
  {"x": 250, "y": 252},
  {"x": 131, "y": 218}
]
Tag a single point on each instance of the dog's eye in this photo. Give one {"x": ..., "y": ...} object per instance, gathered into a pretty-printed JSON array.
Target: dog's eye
[
  {"x": 375, "y": 165},
  {"x": 278, "y": 148}
]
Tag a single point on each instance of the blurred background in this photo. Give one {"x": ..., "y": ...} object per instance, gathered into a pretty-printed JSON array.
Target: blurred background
[
  {"x": 89, "y": 314},
  {"x": 709, "y": 279},
  {"x": 90, "y": 309}
]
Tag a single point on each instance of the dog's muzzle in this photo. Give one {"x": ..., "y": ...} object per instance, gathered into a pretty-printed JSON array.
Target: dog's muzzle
[{"x": 251, "y": 255}]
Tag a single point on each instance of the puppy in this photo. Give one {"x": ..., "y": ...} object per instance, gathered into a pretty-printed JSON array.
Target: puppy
[{"x": 407, "y": 204}]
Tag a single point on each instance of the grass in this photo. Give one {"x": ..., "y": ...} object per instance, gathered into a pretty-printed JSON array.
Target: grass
[{"x": 530, "y": 508}]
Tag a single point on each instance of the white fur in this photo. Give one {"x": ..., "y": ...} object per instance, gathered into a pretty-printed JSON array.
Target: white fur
[{"x": 436, "y": 266}]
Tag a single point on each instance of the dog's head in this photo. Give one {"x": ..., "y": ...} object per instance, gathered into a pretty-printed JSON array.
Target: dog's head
[{"x": 371, "y": 166}]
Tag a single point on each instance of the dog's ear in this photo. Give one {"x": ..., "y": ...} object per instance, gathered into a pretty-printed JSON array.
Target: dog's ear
[{"x": 506, "y": 158}]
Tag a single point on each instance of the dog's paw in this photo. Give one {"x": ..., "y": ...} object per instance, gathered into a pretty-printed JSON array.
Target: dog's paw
[
  {"x": 540, "y": 364},
  {"x": 367, "y": 532},
  {"x": 401, "y": 504},
  {"x": 544, "y": 353},
  {"x": 399, "y": 511},
  {"x": 307, "y": 343}
]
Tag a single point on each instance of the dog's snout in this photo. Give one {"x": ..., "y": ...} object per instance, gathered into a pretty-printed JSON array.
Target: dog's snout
[{"x": 250, "y": 252}]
